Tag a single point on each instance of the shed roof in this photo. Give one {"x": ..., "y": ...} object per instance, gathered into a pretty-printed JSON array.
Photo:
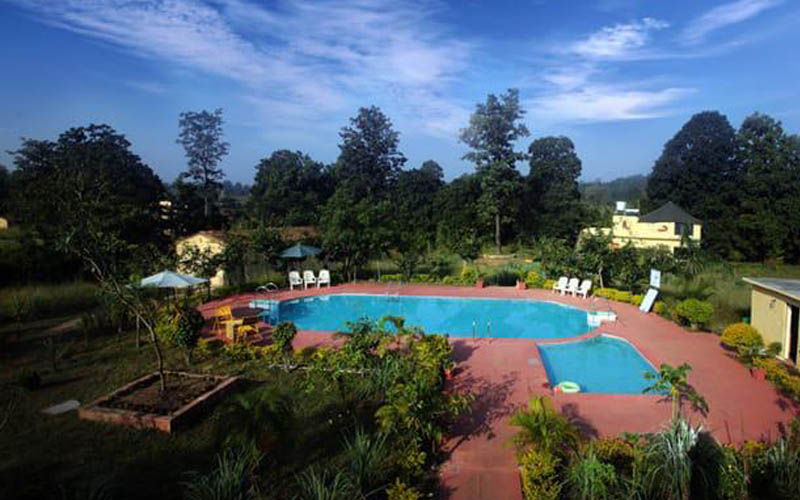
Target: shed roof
[
  {"x": 785, "y": 287},
  {"x": 669, "y": 212}
]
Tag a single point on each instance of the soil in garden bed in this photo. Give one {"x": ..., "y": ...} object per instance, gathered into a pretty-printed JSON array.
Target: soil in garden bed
[{"x": 148, "y": 398}]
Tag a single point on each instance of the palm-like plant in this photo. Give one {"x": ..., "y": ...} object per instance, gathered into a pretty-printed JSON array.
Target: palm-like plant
[
  {"x": 667, "y": 470},
  {"x": 256, "y": 419},
  {"x": 321, "y": 485},
  {"x": 540, "y": 425},
  {"x": 673, "y": 381},
  {"x": 230, "y": 480},
  {"x": 367, "y": 459}
]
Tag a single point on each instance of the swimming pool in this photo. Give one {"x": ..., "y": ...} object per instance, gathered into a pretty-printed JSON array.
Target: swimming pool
[
  {"x": 458, "y": 317},
  {"x": 600, "y": 364}
]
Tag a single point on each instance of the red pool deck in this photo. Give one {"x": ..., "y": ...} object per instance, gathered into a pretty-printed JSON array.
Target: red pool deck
[{"x": 504, "y": 374}]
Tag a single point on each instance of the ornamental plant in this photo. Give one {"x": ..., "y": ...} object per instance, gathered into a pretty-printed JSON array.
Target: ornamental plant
[
  {"x": 741, "y": 336},
  {"x": 694, "y": 312},
  {"x": 674, "y": 382},
  {"x": 187, "y": 331},
  {"x": 283, "y": 335},
  {"x": 539, "y": 470},
  {"x": 534, "y": 280}
]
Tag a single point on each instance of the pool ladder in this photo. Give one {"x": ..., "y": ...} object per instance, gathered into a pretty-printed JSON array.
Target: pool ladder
[{"x": 475, "y": 333}]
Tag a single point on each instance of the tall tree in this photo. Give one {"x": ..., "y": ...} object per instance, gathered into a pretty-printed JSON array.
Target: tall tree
[
  {"x": 698, "y": 171},
  {"x": 552, "y": 196},
  {"x": 201, "y": 138},
  {"x": 493, "y": 129},
  {"x": 769, "y": 195},
  {"x": 93, "y": 164},
  {"x": 457, "y": 222},
  {"x": 289, "y": 189},
  {"x": 369, "y": 161}
]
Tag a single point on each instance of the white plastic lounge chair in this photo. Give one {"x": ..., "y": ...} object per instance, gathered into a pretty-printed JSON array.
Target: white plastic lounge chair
[
  {"x": 583, "y": 290},
  {"x": 294, "y": 280},
  {"x": 561, "y": 285},
  {"x": 572, "y": 286},
  {"x": 324, "y": 278},
  {"x": 309, "y": 279}
]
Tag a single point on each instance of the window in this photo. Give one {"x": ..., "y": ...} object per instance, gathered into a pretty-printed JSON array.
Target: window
[{"x": 682, "y": 228}]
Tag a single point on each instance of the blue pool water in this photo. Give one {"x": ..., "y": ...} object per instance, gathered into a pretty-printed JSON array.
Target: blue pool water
[
  {"x": 599, "y": 364},
  {"x": 446, "y": 315}
]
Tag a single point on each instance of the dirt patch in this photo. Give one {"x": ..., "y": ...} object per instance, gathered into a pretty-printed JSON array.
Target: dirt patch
[{"x": 147, "y": 397}]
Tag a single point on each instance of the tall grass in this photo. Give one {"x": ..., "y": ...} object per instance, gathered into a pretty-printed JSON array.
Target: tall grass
[{"x": 46, "y": 301}]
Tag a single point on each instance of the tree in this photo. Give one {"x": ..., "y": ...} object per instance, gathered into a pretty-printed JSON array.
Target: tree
[
  {"x": 493, "y": 129},
  {"x": 769, "y": 195},
  {"x": 201, "y": 137},
  {"x": 414, "y": 222},
  {"x": 457, "y": 222},
  {"x": 289, "y": 189},
  {"x": 91, "y": 165},
  {"x": 369, "y": 161},
  {"x": 354, "y": 229},
  {"x": 100, "y": 203},
  {"x": 674, "y": 381},
  {"x": 552, "y": 206},
  {"x": 698, "y": 171}
]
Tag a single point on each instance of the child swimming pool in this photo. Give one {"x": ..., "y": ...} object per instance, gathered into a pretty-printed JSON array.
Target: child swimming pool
[
  {"x": 600, "y": 364},
  {"x": 458, "y": 317}
]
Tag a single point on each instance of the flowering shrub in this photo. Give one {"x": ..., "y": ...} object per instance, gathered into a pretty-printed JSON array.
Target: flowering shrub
[
  {"x": 637, "y": 300},
  {"x": 621, "y": 296},
  {"x": 780, "y": 375},
  {"x": 534, "y": 280},
  {"x": 548, "y": 284},
  {"x": 469, "y": 275},
  {"x": 401, "y": 491},
  {"x": 606, "y": 293},
  {"x": 539, "y": 470},
  {"x": 741, "y": 337},
  {"x": 693, "y": 311}
]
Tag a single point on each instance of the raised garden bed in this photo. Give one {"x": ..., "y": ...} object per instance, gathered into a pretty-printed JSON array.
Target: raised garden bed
[{"x": 140, "y": 404}]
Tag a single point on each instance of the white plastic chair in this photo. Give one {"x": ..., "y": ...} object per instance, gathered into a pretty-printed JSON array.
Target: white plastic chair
[
  {"x": 583, "y": 290},
  {"x": 561, "y": 285},
  {"x": 294, "y": 280},
  {"x": 309, "y": 279},
  {"x": 324, "y": 278},
  {"x": 572, "y": 286}
]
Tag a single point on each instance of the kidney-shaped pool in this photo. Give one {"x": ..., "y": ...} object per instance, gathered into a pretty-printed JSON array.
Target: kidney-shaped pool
[{"x": 456, "y": 316}]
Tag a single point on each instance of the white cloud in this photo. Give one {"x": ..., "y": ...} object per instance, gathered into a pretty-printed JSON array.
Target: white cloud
[
  {"x": 605, "y": 104},
  {"x": 620, "y": 40},
  {"x": 307, "y": 58},
  {"x": 150, "y": 87},
  {"x": 722, "y": 16}
]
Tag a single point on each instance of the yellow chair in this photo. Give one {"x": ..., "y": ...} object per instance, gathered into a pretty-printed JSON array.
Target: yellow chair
[
  {"x": 248, "y": 326},
  {"x": 222, "y": 316}
]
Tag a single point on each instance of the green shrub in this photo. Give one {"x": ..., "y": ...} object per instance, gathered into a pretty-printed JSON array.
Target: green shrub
[
  {"x": 534, "y": 280},
  {"x": 209, "y": 347},
  {"x": 451, "y": 280},
  {"x": 388, "y": 278},
  {"x": 401, "y": 491},
  {"x": 187, "y": 331},
  {"x": 469, "y": 275},
  {"x": 637, "y": 300},
  {"x": 780, "y": 375},
  {"x": 617, "y": 453},
  {"x": 606, "y": 293},
  {"x": 589, "y": 478},
  {"x": 548, "y": 284},
  {"x": 660, "y": 308},
  {"x": 694, "y": 312},
  {"x": 621, "y": 296},
  {"x": 741, "y": 337},
  {"x": 283, "y": 334},
  {"x": 539, "y": 470},
  {"x": 423, "y": 278}
]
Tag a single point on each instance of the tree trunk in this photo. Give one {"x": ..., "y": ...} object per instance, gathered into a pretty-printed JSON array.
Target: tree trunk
[
  {"x": 159, "y": 357},
  {"x": 497, "y": 233},
  {"x": 205, "y": 204}
]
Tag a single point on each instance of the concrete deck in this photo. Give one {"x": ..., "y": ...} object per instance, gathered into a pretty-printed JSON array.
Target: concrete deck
[{"x": 505, "y": 373}]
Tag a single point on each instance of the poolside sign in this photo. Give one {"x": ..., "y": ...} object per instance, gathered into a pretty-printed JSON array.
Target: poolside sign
[{"x": 655, "y": 278}]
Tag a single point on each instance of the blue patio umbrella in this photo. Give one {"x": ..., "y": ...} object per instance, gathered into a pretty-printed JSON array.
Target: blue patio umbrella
[
  {"x": 299, "y": 251},
  {"x": 171, "y": 279}
]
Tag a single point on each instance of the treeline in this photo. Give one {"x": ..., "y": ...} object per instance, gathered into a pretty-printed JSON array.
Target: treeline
[{"x": 743, "y": 184}]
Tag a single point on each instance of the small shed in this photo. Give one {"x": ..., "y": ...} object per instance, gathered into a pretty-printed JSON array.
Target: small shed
[
  {"x": 775, "y": 312},
  {"x": 3, "y": 223}
]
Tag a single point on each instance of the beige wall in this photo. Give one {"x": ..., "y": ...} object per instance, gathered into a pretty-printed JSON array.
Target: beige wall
[
  {"x": 204, "y": 242},
  {"x": 770, "y": 316},
  {"x": 3, "y": 223},
  {"x": 627, "y": 228}
]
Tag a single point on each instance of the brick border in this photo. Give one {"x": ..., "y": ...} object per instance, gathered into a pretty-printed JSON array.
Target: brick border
[{"x": 165, "y": 423}]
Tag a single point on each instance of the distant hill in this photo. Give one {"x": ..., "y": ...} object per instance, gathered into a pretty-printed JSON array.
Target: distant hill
[{"x": 630, "y": 189}]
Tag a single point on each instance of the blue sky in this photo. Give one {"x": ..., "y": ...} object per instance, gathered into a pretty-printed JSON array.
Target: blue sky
[{"x": 619, "y": 77}]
